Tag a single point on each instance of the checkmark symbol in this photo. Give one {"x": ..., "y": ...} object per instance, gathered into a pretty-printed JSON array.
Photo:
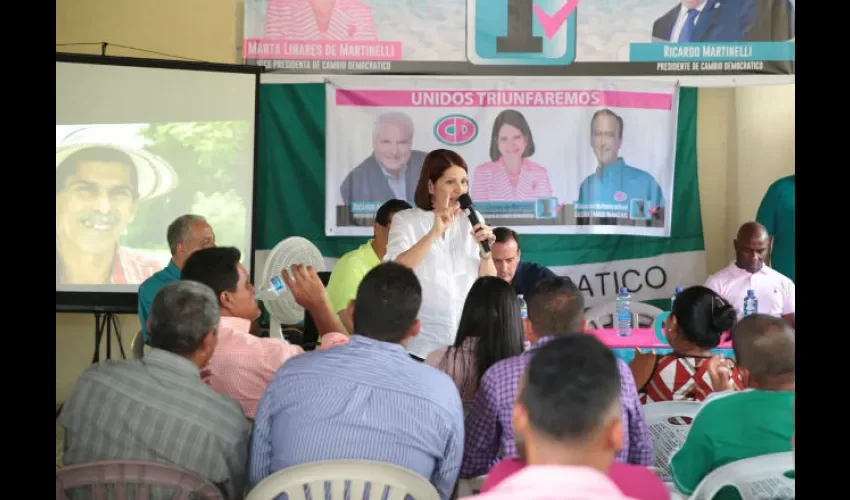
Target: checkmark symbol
[{"x": 551, "y": 24}]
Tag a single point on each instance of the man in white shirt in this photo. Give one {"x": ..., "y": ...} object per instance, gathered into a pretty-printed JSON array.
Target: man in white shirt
[{"x": 774, "y": 291}]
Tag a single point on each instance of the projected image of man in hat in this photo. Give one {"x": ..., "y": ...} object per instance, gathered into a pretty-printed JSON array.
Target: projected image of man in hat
[{"x": 98, "y": 189}]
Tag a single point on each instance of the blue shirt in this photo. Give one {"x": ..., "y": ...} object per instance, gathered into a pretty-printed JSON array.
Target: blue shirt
[
  {"x": 526, "y": 277},
  {"x": 365, "y": 400},
  {"x": 619, "y": 184},
  {"x": 150, "y": 287}
]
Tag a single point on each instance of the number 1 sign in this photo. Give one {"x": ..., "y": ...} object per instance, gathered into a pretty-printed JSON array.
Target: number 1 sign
[{"x": 521, "y": 32}]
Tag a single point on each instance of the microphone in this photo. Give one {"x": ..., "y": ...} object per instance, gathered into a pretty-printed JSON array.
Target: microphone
[{"x": 466, "y": 205}]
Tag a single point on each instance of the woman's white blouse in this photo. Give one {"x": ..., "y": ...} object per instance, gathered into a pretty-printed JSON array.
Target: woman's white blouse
[{"x": 446, "y": 274}]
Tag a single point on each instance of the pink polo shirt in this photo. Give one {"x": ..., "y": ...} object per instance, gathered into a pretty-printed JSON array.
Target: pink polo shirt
[
  {"x": 243, "y": 364},
  {"x": 774, "y": 291},
  {"x": 633, "y": 480},
  {"x": 548, "y": 482}
]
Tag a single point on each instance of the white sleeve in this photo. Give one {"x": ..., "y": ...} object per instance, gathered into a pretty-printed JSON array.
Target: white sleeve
[
  {"x": 713, "y": 283},
  {"x": 789, "y": 306},
  {"x": 402, "y": 235}
]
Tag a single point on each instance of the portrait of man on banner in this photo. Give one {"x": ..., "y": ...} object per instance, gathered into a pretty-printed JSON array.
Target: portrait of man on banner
[
  {"x": 705, "y": 21},
  {"x": 392, "y": 170},
  {"x": 616, "y": 193}
]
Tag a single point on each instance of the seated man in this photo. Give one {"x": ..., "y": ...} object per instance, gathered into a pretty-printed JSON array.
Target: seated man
[
  {"x": 742, "y": 424},
  {"x": 366, "y": 400},
  {"x": 157, "y": 408},
  {"x": 243, "y": 363},
  {"x": 556, "y": 308},
  {"x": 185, "y": 235},
  {"x": 351, "y": 267},
  {"x": 636, "y": 481},
  {"x": 775, "y": 292},
  {"x": 523, "y": 276},
  {"x": 573, "y": 375}
]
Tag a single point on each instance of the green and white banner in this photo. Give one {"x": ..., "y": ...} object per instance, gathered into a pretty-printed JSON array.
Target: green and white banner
[{"x": 290, "y": 201}]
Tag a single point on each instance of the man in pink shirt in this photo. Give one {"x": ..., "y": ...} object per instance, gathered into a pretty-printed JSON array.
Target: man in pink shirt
[
  {"x": 243, "y": 364},
  {"x": 774, "y": 291},
  {"x": 568, "y": 417}
]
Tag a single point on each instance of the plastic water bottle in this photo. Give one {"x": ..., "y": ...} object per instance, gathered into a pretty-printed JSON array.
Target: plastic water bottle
[
  {"x": 523, "y": 310},
  {"x": 274, "y": 289},
  {"x": 624, "y": 313},
  {"x": 673, "y": 297},
  {"x": 751, "y": 303}
]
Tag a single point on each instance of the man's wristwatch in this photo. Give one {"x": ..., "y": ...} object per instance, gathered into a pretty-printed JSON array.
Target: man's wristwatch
[{"x": 485, "y": 255}]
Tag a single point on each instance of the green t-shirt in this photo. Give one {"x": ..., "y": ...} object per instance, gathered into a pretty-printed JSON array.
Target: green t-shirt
[
  {"x": 732, "y": 427},
  {"x": 148, "y": 290},
  {"x": 348, "y": 273},
  {"x": 776, "y": 214}
]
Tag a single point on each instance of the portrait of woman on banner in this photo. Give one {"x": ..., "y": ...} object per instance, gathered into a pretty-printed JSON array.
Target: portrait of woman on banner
[
  {"x": 306, "y": 20},
  {"x": 438, "y": 242},
  {"x": 510, "y": 175}
]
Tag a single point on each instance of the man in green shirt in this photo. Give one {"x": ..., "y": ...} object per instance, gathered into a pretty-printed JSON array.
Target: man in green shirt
[
  {"x": 185, "y": 235},
  {"x": 732, "y": 426},
  {"x": 353, "y": 266},
  {"x": 776, "y": 214}
]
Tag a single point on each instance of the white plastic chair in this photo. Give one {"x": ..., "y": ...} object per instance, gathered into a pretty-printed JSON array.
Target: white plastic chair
[
  {"x": 667, "y": 436},
  {"x": 336, "y": 473},
  {"x": 756, "y": 478},
  {"x": 603, "y": 316},
  {"x": 470, "y": 487},
  {"x": 137, "y": 345}
]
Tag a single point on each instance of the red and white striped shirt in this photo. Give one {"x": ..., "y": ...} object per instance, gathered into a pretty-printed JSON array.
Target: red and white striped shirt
[
  {"x": 295, "y": 20},
  {"x": 491, "y": 182}
]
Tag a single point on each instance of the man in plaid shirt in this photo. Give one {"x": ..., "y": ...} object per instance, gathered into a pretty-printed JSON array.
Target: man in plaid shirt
[{"x": 557, "y": 307}]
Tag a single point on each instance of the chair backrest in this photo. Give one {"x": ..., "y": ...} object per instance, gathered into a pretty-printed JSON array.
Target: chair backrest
[
  {"x": 668, "y": 429},
  {"x": 311, "y": 333},
  {"x": 137, "y": 345},
  {"x": 135, "y": 473},
  {"x": 328, "y": 480},
  {"x": 755, "y": 478},
  {"x": 470, "y": 487},
  {"x": 602, "y": 316}
]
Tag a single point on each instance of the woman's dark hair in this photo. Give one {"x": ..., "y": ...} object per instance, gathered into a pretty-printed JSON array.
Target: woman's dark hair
[
  {"x": 703, "y": 316},
  {"x": 433, "y": 166},
  {"x": 491, "y": 313},
  {"x": 515, "y": 119}
]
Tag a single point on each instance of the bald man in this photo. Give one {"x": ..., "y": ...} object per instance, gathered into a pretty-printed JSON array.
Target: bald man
[
  {"x": 734, "y": 425},
  {"x": 775, "y": 292}
]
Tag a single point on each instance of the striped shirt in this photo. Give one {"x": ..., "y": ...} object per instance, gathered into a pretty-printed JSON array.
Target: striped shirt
[
  {"x": 296, "y": 20},
  {"x": 157, "y": 409},
  {"x": 491, "y": 182},
  {"x": 243, "y": 364},
  {"x": 366, "y": 400},
  {"x": 489, "y": 423}
]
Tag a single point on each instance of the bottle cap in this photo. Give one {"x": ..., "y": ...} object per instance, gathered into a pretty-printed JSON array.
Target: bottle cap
[{"x": 624, "y": 290}]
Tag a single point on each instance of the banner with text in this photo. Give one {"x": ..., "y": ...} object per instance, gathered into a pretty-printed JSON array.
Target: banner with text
[
  {"x": 290, "y": 202},
  {"x": 572, "y": 157},
  {"x": 522, "y": 37}
]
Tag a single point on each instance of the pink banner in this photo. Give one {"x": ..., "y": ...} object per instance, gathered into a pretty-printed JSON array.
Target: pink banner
[
  {"x": 330, "y": 50},
  {"x": 503, "y": 98}
]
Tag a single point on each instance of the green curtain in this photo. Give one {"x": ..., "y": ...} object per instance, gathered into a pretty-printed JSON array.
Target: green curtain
[{"x": 290, "y": 194}]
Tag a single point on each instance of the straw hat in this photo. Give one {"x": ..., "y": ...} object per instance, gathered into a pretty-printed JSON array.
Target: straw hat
[{"x": 155, "y": 176}]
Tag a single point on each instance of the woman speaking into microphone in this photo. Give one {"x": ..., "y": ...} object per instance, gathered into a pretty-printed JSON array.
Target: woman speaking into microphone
[{"x": 438, "y": 242}]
